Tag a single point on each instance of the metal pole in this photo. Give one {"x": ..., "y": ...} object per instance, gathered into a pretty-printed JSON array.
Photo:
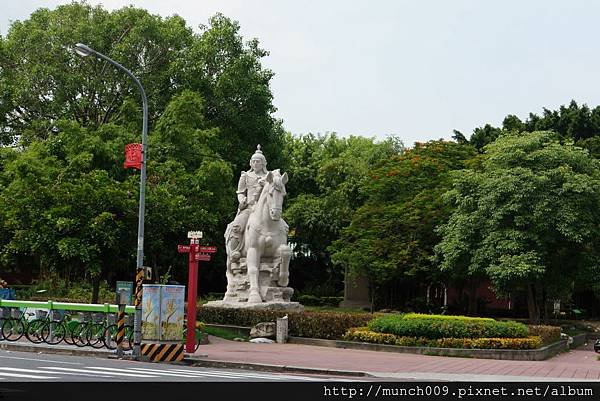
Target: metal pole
[
  {"x": 137, "y": 323},
  {"x": 190, "y": 344}
]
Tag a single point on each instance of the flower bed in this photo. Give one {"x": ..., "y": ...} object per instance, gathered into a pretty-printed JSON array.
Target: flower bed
[
  {"x": 443, "y": 326},
  {"x": 363, "y": 334}
]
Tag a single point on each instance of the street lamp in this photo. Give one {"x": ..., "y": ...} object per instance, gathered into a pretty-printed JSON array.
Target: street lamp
[{"x": 84, "y": 51}]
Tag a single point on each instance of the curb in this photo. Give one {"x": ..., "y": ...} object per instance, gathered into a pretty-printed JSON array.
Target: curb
[
  {"x": 539, "y": 354},
  {"x": 13, "y": 346},
  {"x": 191, "y": 361},
  {"x": 188, "y": 360}
]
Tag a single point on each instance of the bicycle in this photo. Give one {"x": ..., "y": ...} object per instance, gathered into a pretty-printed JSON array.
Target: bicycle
[
  {"x": 13, "y": 328},
  {"x": 54, "y": 331},
  {"x": 110, "y": 337},
  {"x": 87, "y": 332},
  {"x": 34, "y": 328}
]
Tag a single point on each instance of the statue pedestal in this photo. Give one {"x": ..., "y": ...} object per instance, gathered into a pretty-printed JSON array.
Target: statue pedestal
[
  {"x": 274, "y": 296},
  {"x": 269, "y": 305}
]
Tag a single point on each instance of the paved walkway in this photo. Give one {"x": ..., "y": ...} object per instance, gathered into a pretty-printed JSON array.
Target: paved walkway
[
  {"x": 576, "y": 365},
  {"x": 581, "y": 364}
]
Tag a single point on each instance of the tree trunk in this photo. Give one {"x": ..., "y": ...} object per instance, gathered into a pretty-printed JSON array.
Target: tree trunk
[
  {"x": 472, "y": 295},
  {"x": 545, "y": 306},
  {"x": 95, "y": 289},
  {"x": 532, "y": 306}
]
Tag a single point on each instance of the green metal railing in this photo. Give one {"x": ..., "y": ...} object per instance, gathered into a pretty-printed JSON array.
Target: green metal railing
[{"x": 52, "y": 305}]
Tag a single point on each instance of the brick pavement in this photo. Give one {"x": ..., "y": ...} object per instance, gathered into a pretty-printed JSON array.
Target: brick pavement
[{"x": 579, "y": 364}]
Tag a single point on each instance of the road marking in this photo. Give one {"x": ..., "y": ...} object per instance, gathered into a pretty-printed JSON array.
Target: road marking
[
  {"x": 100, "y": 370},
  {"x": 161, "y": 372},
  {"x": 244, "y": 375},
  {"x": 42, "y": 371},
  {"x": 41, "y": 360},
  {"x": 27, "y": 376}
]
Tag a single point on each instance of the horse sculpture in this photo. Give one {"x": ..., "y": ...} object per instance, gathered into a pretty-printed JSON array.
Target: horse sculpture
[{"x": 265, "y": 255}]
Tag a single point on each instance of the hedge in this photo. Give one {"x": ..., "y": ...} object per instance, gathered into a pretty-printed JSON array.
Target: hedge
[
  {"x": 435, "y": 326},
  {"x": 313, "y": 300},
  {"x": 326, "y": 325},
  {"x": 363, "y": 334},
  {"x": 447, "y": 317},
  {"x": 549, "y": 334}
]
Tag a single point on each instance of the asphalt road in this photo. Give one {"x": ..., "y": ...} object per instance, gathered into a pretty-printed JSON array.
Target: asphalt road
[{"x": 32, "y": 367}]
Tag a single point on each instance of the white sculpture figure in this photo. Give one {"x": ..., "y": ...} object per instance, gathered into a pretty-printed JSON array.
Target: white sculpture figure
[{"x": 258, "y": 256}]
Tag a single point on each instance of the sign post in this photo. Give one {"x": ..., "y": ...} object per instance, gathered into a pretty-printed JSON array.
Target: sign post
[{"x": 195, "y": 253}]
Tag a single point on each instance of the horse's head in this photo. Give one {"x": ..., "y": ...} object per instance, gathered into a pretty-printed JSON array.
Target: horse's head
[{"x": 275, "y": 191}]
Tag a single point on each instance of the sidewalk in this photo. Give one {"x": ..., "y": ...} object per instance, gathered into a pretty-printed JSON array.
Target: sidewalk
[
  {"x": 581, "y": 364},
  {"x": 577, "y": 365}
]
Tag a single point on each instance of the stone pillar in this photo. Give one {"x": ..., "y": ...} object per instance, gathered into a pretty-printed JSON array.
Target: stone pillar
[
  {"x": 356, "y": 292},
  {"x": 282, "y": 330}
]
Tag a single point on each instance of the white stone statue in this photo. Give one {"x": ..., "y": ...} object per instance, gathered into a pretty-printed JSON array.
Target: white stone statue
[{"x": 258, "y": 256}]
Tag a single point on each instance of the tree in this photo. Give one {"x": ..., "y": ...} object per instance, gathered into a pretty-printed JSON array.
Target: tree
[
  {"x": 43, "y": 81},
  {"x": 67, "y": 119},
  {"x": 235, "y": 87},
  {"x": 528, "y": 219},
  {"x": 327, "y": 176},
  {"x": 63, "y": 210},
  {"x": 390, "y": 238}
]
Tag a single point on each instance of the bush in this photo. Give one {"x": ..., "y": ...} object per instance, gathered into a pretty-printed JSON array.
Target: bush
[
  {"x": 548, "y": 334},
  {"x": 313, "y": 300},
  {"x": 438, "y": 326},
  {"x": 446, "y": 317},
  {"x": 327, "y": 325},
  {"x": 363, "y": 334}
]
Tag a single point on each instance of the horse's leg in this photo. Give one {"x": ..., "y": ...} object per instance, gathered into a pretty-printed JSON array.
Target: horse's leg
[
  {"x": 229, "y": 295},
  {"x": 253, "y": 263},
  {"x": 285, "y": 253}
]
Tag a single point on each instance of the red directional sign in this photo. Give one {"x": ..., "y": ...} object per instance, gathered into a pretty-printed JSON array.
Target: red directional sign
[
  {"x": 207, "y": 249},
  {"x": 203, "y": 257},
  {"x": 183, "y": 248}
]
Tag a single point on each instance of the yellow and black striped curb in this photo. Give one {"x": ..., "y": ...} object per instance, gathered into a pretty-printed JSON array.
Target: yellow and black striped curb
[{"x": 163, "y": 352}]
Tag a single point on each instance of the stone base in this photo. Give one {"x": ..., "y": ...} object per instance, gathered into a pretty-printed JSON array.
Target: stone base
[
  {"x": 270, "y": 305},
  {"x": 355, "y": 304}
]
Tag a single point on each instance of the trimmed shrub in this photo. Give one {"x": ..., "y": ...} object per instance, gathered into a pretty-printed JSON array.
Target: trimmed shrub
[
  {"x": 548, "y": 334},
  {"x": 446, "y": 327},
  {"x": 313, "y": 300},
  {"x": 447, "y": 317},
  {"x": 327, "y": 325},
  {"x": 363, "y": 334}
]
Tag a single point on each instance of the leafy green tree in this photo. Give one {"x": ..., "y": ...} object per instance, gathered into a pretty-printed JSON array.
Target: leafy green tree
[
  {"x": 69, "y": 206},
  {"x": 185, "y": 183},
  {"x": 228, "y": 73},
  {"x": 64, "y": 211},
  {"x": 391, "y": 237},
  {"x": 327, "y": 176},
  {"x": 44, "y": 81},
  {"x": 528, "y": 220}
]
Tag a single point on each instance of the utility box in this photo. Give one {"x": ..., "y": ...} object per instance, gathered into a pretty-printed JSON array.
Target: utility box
[
  {"x": 162, "y": 312},
  {"x": 127, "y": 287},
  {"x": 8, "y": 293}
]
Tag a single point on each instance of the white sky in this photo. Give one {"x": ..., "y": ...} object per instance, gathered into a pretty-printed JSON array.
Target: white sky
[{"x": 415, "y": 69}]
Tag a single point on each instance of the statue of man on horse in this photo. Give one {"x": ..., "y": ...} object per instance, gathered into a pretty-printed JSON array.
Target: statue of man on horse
[
  {"x": 258, "y": 256},
  {"x": 248, "y": 191}
]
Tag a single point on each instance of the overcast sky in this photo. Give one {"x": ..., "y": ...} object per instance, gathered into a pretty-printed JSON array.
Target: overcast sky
[{"x": 415, "y": 69}]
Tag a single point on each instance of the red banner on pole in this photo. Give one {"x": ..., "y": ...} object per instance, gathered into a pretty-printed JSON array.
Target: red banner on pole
[{"x": 133, "y": 156}]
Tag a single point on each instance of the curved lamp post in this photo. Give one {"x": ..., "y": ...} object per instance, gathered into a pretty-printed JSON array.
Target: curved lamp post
[{"x": 85, "y": 51}]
